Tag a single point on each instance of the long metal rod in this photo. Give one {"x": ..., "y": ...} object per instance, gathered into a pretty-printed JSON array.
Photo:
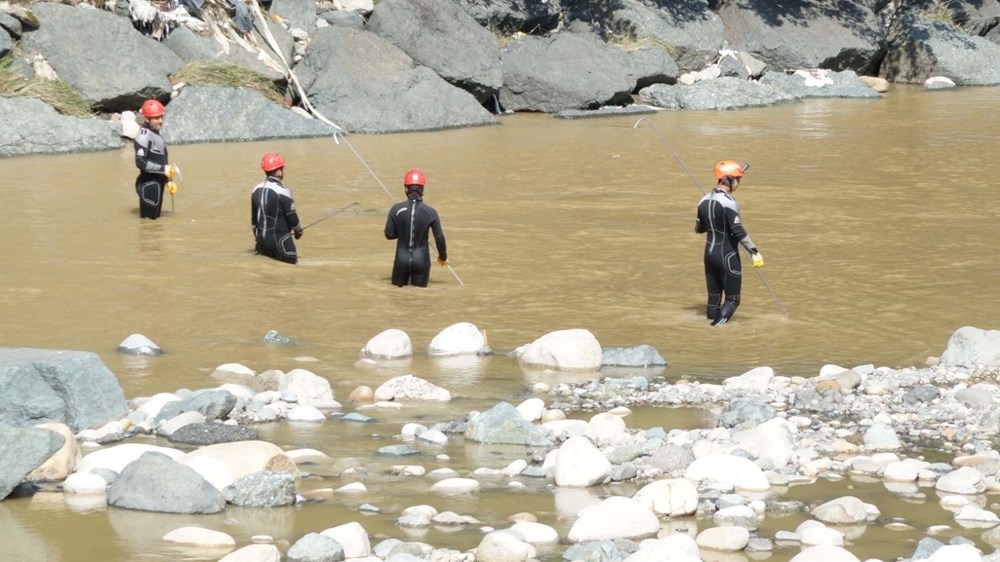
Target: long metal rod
[
  {"x": 697, "y": 186},
  {"x": 355, "y": 206},
  {"x": 393, "y": 199}
]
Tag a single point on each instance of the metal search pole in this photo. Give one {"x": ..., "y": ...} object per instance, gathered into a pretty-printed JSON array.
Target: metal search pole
[
  {"x": 355, "y": 206},
  {"x": 697, "y": 186}
]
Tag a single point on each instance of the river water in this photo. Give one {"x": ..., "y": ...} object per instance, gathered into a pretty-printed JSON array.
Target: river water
[{"x": 877, "y": 220}]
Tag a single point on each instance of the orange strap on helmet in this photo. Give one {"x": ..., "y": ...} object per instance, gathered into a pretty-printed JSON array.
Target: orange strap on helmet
[
  {"x": 729, "y": 168},
  {"x": 271, "y": 162},
  {"x": 414, "y": 177},
  {"x": 152, "y": 108}
]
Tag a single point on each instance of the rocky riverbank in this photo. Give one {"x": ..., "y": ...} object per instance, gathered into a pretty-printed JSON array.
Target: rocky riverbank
[
  {"x": 408, "y": 65},
  {"x": 702, "y": 494}
]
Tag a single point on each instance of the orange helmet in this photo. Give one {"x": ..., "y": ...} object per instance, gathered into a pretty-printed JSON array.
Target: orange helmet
[
  {"x": 414, "y": 177},
  {"x": 152, "y": 108},
  {"x": 728, "y": 168},
  {"x": 271, "y": 162}
]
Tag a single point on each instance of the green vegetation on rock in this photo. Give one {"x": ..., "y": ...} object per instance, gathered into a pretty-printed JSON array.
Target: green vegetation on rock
[
  {"x": 60, "y": 95},
  {"x": 222, "y": 74}
]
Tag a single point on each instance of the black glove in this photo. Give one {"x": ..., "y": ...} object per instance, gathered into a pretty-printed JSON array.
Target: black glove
[{"x": 298, "y": 233}]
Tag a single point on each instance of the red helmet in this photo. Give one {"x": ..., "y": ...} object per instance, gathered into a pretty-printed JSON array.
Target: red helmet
[
  {"x": 414, "y": 177},
  {"x": 728, "y": 168},
  {"x": 271, "y": 162},
  {"x": 152, "y": 108}
]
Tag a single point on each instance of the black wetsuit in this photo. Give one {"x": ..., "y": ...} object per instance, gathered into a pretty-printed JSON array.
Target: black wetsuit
[
  {"x": 273, "y": 217},
  {"x": 408, "y": 223},
  {"x": 151, "y": 159},
  {"x": 719, "y": 217}
]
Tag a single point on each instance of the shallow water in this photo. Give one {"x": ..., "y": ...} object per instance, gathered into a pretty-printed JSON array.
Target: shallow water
[{"x": 876, "y": 218}]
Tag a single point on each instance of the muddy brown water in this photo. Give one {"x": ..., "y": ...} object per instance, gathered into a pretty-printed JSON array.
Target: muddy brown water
[{"x": 877, "y": 220}]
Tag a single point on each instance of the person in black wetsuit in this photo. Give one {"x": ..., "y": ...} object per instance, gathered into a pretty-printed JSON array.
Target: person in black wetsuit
[
  {"x": 272, "y": 213},
  {"x": 408, "y": 224},
  {"x": 719, "y": 217},
  {"x": 155, "y": 174}
]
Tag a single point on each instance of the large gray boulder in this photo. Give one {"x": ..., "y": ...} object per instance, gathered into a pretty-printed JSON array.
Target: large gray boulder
[
  {"x": 838, "y": 34},
  {"x": 31, "y": 126},
  {"x": 507, "y": 17},
  {"x": 6, "y": 42},
  {"x": 565, "y": 71},
  {"x": 70, "y": 387},
  {"x": 821, "y": 84},
  {"x": 442, "y": 36},
  {"x": 211, "y": 403},
  {"x": 366, "y": 84},
  {"x": 23, "y": 450},
  {"x": 101, "y": 55},
  {"x": 504, "y": 424},
  {"x": 688, "y": 28},
  {"x": 299, "y": 14},
  {"x": 155, "y": 482},
  {"x": 717, "y": 94},
  {"x": 10, "y": 25},
  {"x": 225, "y": 114},
  {"x": 972, "y": 347},
  {"x": 919, "y": 48},
  {"x": 977, "y": 17}
]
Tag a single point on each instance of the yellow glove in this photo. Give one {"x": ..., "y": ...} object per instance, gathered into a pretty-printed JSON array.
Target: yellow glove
[
  {"x": 442, "y": 262},
  {"x": 170, "y": 171},
  {"x": 758, "y": 260},
  {"x": 171, "y": 187}
]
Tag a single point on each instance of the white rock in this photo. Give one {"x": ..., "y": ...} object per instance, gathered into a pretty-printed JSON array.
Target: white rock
[
  {"x": 676, "y": 547},
  {"x": 310, "y": 388},
  {"x": 169, "y": 427},
  {"x": 254, "y": 553},
  {"x": 531, "y": 409},
  {"x": 501, "y": 546},
  {"x": 563, "y": 429},
  {"x": 409, "y": 387},
  {"x": 456, "y": 486},
  {"x": 976, "y": 514},
  {"x": 821, "y": 535},
  {"x": 769, "y": 441},
  {"x": 904, "y": 471},
  {"x": 306, "y": 414},
  {"x": 458, "y": 339},
  {"x": 824, "y": 554},
  {"x": 433, "y": 436},
  {"x": 84, "y": 483},
  {"x": 606, "y": 429},
  {"x": 580, "y": 464},
  {"x": 536, "y": 533},
  {"x": 571, "y": 350},
  {"x": 674, "y": 497},
  {"x": 725, "y": 539},
  {"x": 754, "y": 379},
  {"x": 115, "y": 458},
  {"x": 352, "y": 488},
  {"x": 308, "y": 456},
  {"x": 738, "y": 472},
  {"x": 389, "y": 344},
  {"x": 846, "y": 510},
  {"x": 956, "y": 553},
  {"x": 353, "y": 537},
  {"x": 233, "y": 369},
  {"x": 939, "y": 80},
  {"x": 138, "y": 344},
  {"x": 965, "y": 480},
  {"x": 198, "y": 536},
  {"x": 155, "y": 403},
  {"x": 615, "y": 517}
]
